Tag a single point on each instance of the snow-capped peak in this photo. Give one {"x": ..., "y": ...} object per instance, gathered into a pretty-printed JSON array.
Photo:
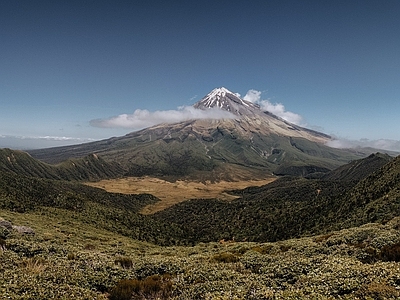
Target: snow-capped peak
[
  {"x": 224, "y": 99},
  {"x": 218, "y": 93},
  {"x": 216, "y": 98}
]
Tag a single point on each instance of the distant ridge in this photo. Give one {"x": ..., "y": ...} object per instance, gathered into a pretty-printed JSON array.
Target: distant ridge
[
  {"x": 358, "y": 169},
  {"x": 90, "y": 167}
]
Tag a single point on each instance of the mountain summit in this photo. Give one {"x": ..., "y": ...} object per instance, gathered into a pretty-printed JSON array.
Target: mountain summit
[
  {"x": 252, "y": 144},
  {"x": 252, "y": 119},
  {"x": 226, "y": 100}
]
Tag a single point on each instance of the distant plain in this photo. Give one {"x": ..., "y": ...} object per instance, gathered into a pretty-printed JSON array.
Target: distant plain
[{"x": 171, "y": 193}]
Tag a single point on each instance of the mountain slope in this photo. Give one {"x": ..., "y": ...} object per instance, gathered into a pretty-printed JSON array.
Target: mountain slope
[
  {"x": 358, "y": 169},
  {"x": 376, "y": 197},
  {"x": 251, "y": 118},
  {"x": 110, "y": 211},
  {"x": 248, "y": 144}
]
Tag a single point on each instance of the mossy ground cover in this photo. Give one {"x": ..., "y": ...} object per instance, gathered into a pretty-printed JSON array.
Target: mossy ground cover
[{"x": 70, "y": 259}]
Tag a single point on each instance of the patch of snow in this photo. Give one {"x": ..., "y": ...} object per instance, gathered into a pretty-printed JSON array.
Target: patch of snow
[{"x": 214, "y": 97}]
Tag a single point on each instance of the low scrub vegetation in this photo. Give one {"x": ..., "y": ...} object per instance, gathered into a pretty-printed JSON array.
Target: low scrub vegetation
[
  {"x": 124, "y": 262},
  {"x": 390, "y": 253},
  {"x": 352, "y": 263},
  {"x": 152, "y": 287},
  {"x": 63, "y": 240},
  {"x": 225, "y": 257}
]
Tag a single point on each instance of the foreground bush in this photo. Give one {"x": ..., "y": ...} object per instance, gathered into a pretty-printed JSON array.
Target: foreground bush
[
  {"x": 153, "y": 287},
  {"x": 390, "y": 253},
  {"x": 225, "y": 257},
  {"x": 124, "y": 262}
]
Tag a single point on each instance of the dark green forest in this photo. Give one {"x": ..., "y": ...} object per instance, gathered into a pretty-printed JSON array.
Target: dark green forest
[{"x": 287, "y": 208}]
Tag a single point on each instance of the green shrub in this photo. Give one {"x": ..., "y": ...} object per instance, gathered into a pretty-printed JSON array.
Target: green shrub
[
  {"x": 71, "y": 256},
  {"x": 153, "y": 287},
  {"x": 378, "y": 291},
  {"x": 225, "y": 257},
  {"x": 4, "y": 232},
  {"x": 123, "y": 290},
  {"x": 262, "y": 249},
  {"x": 89, "y": 247},
  {"x": 2, "y": 244},
  {"x": 285, "y": 248},
  {"x": 390, "y": 253},
  {"x": 322, "y": 238},
  {"x": 124, "y": 262}
]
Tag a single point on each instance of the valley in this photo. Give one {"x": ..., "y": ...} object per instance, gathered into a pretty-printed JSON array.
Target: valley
[
  {"x": 171, "y": 193},
  {"x": 248, "y": 207},
  {"x": 290, "y": 237}
]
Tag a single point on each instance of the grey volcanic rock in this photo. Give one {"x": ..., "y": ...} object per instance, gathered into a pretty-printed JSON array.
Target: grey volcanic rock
[
  {"x": 5, "y": 228},
  {"x": 6, "y": 224},
  {"x": 23, "y": 229}
]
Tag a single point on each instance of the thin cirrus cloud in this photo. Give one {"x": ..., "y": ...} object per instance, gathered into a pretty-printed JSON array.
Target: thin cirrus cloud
[
  {"x": 142, "y": 118},
  {"x": 33, "y": 142},
  {"x": 277, "y": 109}
]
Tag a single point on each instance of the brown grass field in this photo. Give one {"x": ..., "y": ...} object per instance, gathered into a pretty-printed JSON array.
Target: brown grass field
[{"x": 171, "y": 193}]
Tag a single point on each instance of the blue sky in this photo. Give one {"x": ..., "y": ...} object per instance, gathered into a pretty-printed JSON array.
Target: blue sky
[{"x": 65, "y": 64}]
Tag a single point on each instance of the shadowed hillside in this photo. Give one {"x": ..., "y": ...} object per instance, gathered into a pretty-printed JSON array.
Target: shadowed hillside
[
  {"x": 111, "y": 211},
  {"x": 90, "y": 167},
  {"x": 292, "y": 207},
  {"x": 358, "y": 169}
]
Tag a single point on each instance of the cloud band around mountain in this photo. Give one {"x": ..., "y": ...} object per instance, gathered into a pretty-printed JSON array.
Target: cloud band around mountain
[
  {"x": 142, "y": 118},
  {"x": 384, "y": 144}
]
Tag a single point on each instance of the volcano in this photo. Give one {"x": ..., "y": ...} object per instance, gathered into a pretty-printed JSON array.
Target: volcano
[
  {"x": 252, "y": 119},
  {"x": 247, "y": 143}
]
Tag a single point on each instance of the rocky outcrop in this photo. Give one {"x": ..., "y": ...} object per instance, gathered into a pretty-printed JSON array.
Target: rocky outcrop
[
  {"x": 6, "y": 224},
  {"x": 23, "y": 229},
  {"x": 6, "y": 228}
]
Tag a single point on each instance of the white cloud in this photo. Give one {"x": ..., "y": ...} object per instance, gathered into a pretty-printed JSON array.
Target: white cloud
[
  {"x": 277, "y": 109},
  {"x": 46, "y": 137},
  {"x": 383, "y": 144},
  {"x": 144, "y": 118},
  {"x": 253, "y": 96},
  {"x": 33, "y": 142}
]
